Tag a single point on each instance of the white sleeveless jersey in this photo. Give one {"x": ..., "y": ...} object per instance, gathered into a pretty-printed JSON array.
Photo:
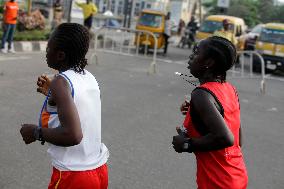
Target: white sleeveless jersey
[{"x": 91, "y": 153}]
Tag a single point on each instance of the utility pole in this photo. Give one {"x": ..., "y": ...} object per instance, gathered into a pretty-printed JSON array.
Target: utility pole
[
  {"x": 108, "y": 4},
  {"x": 29, "y": 7},
  {"x": 69, "y": 11},
  {"x": 200, "y": 11},
  {"x": 130, "y": 12},
  {"x": 125, "y": 12}
]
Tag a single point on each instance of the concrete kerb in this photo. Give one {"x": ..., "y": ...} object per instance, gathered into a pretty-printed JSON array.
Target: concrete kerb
[
  {"x": 29, "y": 46},
  {"x": 34, "y": 46}
]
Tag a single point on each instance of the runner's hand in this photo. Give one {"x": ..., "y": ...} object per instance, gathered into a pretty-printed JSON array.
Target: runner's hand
[
  {"x": 184, "y": 107},
  {"x": 43, "y": 83},
  {"x": 27, "y": 132},
  {"x": 179, "y": 140}
]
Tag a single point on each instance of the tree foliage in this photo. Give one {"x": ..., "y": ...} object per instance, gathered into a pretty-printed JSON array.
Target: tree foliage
[
  {"x": 252, "y": 11},
  {"x": 266, "y": 10}
]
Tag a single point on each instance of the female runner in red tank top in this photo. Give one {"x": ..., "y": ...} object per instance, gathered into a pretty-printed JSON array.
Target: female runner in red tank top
[{"x": 212, "y": 123}]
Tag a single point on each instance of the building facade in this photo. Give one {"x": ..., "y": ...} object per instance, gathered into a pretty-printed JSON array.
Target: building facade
[
  {"x": 180, "y": 9},
  {"x": 118, "y": 6}
]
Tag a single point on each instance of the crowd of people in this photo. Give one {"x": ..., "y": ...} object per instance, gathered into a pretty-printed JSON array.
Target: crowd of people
[
  {"x": 12, "y": 14},
  {"x": 186, "y": 32},
  {"x": 70, "y": 117}
]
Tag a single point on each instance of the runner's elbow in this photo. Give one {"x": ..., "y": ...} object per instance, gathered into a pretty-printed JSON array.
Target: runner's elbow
[
  {"x": 74, "y": 138},
  {"x": 225, "y": 140},
  {"x": 77, "y": 138}
]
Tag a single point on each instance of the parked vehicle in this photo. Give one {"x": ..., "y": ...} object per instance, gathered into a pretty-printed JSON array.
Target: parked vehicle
[
  {"x": 152, "y": 21},
  {"x": 214, "y": 22},
  {"x": 270, "y": 45}
]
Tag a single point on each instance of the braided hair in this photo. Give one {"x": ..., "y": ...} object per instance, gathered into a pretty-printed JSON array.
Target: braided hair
[
  {"x": 73, "y": 39},
  {"x": 223, "y": 52}
]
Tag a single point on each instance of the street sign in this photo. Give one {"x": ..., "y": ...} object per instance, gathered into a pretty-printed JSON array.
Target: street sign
[{"x": 223, "y": 3}]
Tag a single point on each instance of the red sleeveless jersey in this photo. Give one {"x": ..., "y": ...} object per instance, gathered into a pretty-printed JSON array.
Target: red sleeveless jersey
[
  {"x": 11, "y": 12},
  {"x": 225, "y": 168}
]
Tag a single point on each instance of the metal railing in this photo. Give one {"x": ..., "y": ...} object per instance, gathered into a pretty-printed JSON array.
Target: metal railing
[
  {"x": 124, "y": 41},
  {"x": 250, "y": 57}
]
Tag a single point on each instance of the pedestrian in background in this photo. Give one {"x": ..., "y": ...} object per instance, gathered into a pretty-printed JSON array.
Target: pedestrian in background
[
  {"x": 181, "y": 26},
  {"x": 225, "y": 32},
  {"x": 10, "y": 15},
  {"x": 57, "y": 14},
  {"x": 188, "y": 33},
  {"x": 70, "y": 119},
  {"x": 212, "y": 126},
  {"x": 192, "y": 25},
  {"x": 89, "y": 10},
  {"x": 167, "y": 32}
]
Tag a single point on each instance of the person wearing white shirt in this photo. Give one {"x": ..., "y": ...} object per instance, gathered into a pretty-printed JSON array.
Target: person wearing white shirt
[{"x": 167, "y": 32}]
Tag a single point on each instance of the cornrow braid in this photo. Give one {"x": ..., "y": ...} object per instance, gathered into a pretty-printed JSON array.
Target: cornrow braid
[
  {"x": 73, "y": 39},
  {"x": 224, "y": 54}
]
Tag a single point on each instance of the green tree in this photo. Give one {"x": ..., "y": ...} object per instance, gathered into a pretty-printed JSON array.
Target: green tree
[
  {"x": 280, "y": 13},
  {"x": 277, "y": 14},
  {"x": 246, "y": 9},
  {"x": 211, "y": 6},
  {"x": 252, "y": 11},
  {"x": 2, "y": 2},
  {"x": 266, "y": 9}
]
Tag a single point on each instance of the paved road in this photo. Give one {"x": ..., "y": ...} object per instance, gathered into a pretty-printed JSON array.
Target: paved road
[{"x": 139, "y": 115}]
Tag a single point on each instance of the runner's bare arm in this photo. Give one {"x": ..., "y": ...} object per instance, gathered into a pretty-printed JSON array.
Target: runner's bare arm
[
  {"x": 69, "y": 133},
  {"x": 219, "y": 135}
]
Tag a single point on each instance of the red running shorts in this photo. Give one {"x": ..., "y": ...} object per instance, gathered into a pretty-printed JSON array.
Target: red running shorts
[{"x": 90, "y": 179}]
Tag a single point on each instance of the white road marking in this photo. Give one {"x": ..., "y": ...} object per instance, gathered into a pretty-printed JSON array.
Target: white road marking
[
  {"x": 8, "y": 58},
  {"x": 274, "y": 109},
  {"x": 180, "y": 62}
]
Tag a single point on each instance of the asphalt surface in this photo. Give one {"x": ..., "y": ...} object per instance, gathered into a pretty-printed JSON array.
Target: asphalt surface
[{"x": 139, "y": 116}]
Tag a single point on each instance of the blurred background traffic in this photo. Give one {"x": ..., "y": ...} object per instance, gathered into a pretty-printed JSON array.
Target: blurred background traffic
[{"x": 255, "y": 24}]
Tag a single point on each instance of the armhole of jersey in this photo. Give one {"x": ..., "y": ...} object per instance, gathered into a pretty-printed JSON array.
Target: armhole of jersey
[
  {"x": 70, "y": 83},
  {"x": 220, "y": 108},
  {"x": 237, "y": 96}
]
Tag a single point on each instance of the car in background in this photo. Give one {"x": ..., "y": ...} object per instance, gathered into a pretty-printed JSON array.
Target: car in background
[
  {"x": 153, "y": 21},
  {"x": 214, "y": 23},
  {"x": 251, "y": 37},
  {"x": 270, "y": 44}
]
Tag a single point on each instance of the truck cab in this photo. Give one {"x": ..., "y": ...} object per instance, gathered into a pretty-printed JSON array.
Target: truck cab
[
  {"x": 270, "y": 45},
  {"x": 215, "y": 22}
]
